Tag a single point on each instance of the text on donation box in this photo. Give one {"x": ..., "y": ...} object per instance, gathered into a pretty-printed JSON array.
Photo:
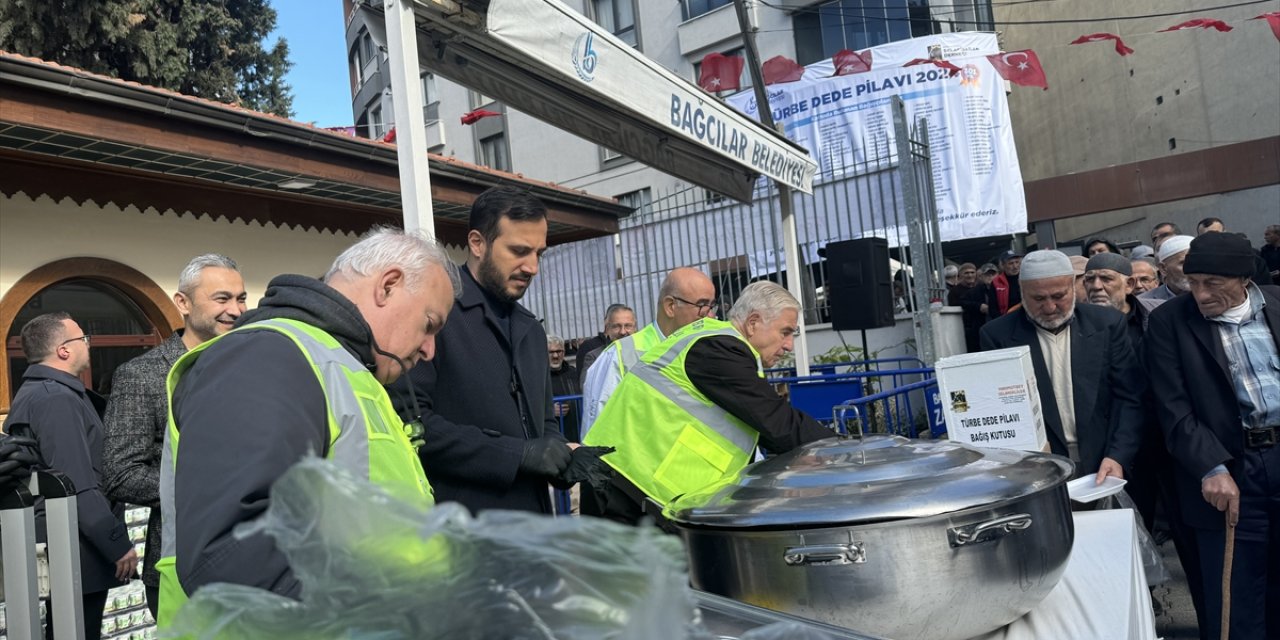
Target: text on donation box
[{"x": 990, "y": 399}]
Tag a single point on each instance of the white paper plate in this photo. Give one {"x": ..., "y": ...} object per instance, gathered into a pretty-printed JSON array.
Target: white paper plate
[{"x": 1084, "y": 490}]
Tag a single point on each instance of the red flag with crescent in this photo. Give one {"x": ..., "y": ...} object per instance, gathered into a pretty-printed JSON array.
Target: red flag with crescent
[
  {"x": 719, "y": 72},
  {"x": 850, "y": 62},
  {"x": 1020, "y": 67},
  {"x": 780, "y": 69},
  {"x": 1199, "y": 23},
  {"x": 1099, "y": 37},
  {"x": 1273, "y": 19}
]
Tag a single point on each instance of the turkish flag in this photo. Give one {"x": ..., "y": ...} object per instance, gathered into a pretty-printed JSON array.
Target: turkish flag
[
  {"x": 475, "y": 116},
  {"x": 1199, "y": 23},
  {"x": 1020, "y": 67},
  {"x": 1273, "y": 19},
  {"x": 391, "y": 135},
  {"x": 850, "y": 62},
  {"x": 720, "y": 72},
  {"x": 1099, "y": 37},
  {"x": 941, "y": 64},
  {"x": 780, "y": 69}
]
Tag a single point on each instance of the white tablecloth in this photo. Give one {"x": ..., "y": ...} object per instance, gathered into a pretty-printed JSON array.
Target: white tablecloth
[{"x": 1103, "y": 593}]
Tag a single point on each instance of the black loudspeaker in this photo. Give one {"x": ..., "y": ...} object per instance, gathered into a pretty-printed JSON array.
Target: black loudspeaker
[{"x": 859, "y": 289}]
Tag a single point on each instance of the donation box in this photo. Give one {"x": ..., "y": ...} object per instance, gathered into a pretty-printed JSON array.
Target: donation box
[{"x": 990, "y": 399}]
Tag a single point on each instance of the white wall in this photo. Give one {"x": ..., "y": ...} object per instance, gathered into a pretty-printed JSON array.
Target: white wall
[{"x": 35, "y": 233}]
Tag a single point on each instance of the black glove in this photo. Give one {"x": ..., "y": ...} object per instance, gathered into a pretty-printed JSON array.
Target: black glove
[
  {"x": 586, "y": 466},
  {"x": 545, "y": 456},
  {"x": 17, "y": 458}
]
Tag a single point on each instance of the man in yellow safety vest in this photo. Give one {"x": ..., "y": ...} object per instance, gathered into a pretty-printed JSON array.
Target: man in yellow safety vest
[
  {"x": 302, "y": 374},
  {"x": 691, "y": 411}
]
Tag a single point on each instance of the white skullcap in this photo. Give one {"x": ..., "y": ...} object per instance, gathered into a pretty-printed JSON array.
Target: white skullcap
[
  {"x": 1046, "y": 263},
  {"x": 1141, "y": 251},
  {"x": 1173, "y": 245}
]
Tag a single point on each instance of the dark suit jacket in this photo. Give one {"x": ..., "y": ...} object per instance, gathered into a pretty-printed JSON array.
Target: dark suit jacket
[
  {"x": 57, "y": 410},
  {"x": 482, "y": 397},
  {"x": 1106, "y": 381},
  {"x": 1195, "y": 396},
  {"x": 136, "y": 419}
]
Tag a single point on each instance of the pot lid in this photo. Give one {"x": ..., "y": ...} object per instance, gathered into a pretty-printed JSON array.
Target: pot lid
[{"x": 873, "y": 479}]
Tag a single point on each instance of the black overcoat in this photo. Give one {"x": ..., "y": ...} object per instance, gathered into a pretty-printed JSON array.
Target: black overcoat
[
  {"x": 59, "y": 412},
  {"x": 1106, "y": 379},
  {"x": 1195, "y": 397},
  {"x": 481, "y": 398}
]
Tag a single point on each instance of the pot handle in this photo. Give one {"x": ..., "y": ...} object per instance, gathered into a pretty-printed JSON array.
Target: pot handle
[
  {"x": 825, "y": 554},
  {"x": 989, "y": 530}
]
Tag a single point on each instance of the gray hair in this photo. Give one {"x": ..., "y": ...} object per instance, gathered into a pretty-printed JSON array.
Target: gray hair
[
  {"x": 555, "y": 341},
  {"x": 41, "y": 335},
  {"x": 189, "y": 279},
  {"x": 385, "y": 247},
  {"x": 764, "y": 297}
]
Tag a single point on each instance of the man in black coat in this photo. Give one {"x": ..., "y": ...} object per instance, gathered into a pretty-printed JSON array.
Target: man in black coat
[
  {"x": 55, "y": 408},
  {"x": 1215, "y": 371},
  {"x": 492, "y": 440},
  {"x": 1089, "y": 379}
]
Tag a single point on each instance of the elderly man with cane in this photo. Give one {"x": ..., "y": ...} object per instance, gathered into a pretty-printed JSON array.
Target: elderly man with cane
[{"x": 1215, "y": 372}]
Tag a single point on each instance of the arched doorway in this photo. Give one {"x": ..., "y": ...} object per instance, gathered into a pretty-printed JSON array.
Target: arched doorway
[{"x": 124, "y": 311}]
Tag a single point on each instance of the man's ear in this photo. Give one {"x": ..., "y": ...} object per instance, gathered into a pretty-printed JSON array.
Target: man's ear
[
  {"x": 183, "y": 303},
  {"x": 388, "y": 282},
  {"x": 476, "y": 244}
]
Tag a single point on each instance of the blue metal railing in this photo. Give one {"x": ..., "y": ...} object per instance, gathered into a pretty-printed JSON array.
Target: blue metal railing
[
  {"x": 835, "y": 367},
  {"x": 892, "y": 411}
]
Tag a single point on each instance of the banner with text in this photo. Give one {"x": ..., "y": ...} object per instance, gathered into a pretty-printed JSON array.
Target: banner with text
[{"x": 845, "y": 121}]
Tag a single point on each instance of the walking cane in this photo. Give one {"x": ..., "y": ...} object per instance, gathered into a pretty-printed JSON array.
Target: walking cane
[{"x": 1227, "y": 554}]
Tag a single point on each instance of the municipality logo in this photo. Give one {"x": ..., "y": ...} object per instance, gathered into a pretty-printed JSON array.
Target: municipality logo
[{"x": 585, "y": 57}]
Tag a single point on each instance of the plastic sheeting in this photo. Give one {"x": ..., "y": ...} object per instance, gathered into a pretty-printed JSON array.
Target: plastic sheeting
[{"x": 374, "y": 567}]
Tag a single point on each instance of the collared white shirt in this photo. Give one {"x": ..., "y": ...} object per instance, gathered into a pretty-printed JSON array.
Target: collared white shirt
[{"x": 600, "y": 382}]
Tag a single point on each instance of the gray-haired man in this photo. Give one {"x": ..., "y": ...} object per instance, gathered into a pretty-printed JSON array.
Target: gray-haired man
[{"x": 211, "y": 297}]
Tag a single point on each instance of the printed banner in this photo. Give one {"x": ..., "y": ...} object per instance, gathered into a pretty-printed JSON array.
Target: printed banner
[{"x": 845, "y": 121}]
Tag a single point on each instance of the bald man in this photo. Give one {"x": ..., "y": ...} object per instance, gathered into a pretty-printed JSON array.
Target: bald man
[{"x": 687, "y": 294}]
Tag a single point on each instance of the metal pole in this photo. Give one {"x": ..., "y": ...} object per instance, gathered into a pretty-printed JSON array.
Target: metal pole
[
  {"x": 411, "y": 131},
  {"x": 916, "y": 235},
  {"x": 795, "y": 283}
]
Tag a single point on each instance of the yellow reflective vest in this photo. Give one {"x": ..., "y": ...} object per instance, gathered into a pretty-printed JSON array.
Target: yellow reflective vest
[
  {"x": 670, "y": 438},
  {"x": 633, "y": 346},
  {"x": 366, "y": 437}
]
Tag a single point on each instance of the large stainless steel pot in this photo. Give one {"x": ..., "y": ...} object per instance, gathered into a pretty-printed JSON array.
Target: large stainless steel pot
[{"x": 900, "y": 538}]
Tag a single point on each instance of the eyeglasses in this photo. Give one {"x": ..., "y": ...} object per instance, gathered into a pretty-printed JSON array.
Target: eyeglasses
[
  {"x": 69, "y": 341},
  {"x": 704, "y": 308},
  {"x": 555, "y": 352}
]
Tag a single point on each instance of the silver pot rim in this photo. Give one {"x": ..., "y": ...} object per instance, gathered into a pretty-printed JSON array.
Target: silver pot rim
[{"x": 876, "y": 481}]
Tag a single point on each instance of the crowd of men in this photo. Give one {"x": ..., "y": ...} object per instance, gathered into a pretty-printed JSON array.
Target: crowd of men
[
  {"x": 1161, "y": 367},
  {"x": 430, "y": 380},
  {"x": 433, "y": 382}
]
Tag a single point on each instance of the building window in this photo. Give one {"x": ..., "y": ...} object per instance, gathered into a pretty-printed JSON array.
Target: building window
[
  {"x": 640, "y": 200},
  {"x": 744, "y": 82},
  {"x": 695, "y": 8},
  {"x": 430, "y": 98},
  {"x": 478, "y": 99},
  {"x": 494, "y": 153},
  {"x": 822, "y": 30},
  {"x": 375, "y": 122},
  {"x": 618, "y": 17}
]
